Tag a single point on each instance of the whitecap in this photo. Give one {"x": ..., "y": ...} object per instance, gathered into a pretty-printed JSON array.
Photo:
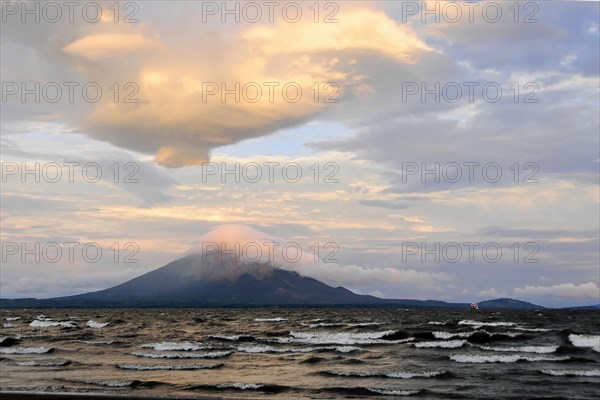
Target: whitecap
[
  {"x": 450, "y": 344},
  {"x": 174, "y": 346},
  {"x": 214, "y": 354},
  {"x": 344, "y": 338},
  {"x": 511, "y": 358},
  {"x": 96, "y": 325},
  {"x": 48, "y": 323},
  {"x": 13, "y": 318},
  {"x": 478, "y": 324},
  {"x": 572, "y": 372},
  {"x": 158, "y": 367},
  {"x": 270, "y": 319},
  {"x": 42, "y": 363},
  {"x": 592, "y": 341},
  {"x": 410, "y": 375},
  {"x": 239, "y": 386},
  {"x": 450, "y": 335},
  {"x": 25, "y": 350},
  {"x": 394, "y": 392},
  {"x": 523, "y": 349}
]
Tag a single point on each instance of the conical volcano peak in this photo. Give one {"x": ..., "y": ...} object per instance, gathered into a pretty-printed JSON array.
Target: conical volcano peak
[{"x": 231, "y": 236}]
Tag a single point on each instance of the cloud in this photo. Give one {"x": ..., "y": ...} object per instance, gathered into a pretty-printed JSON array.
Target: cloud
[
  {"x": 588, "y": 290},
  {"x": 181, "y": 113},
  {"x": 96, "y": 47}
]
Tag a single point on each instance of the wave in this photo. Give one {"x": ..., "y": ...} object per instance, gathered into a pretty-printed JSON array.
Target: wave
[
  {"x": 396, "y": 375},
  {"x": 592, "y": 341},
  {"x": 26, "y": 350},
  {"x": 334, "y": 324},
  {"x": 450, "y": 335},
  {"x": 270, "y": 319},
  {"x": 520, "y": 328},
  {"x": 436, "y": 323},
  {"x": 7, "y": 341},
  {"x": 95, "y": 342},
  {"x": 159, "y": 367},
  {"x": 369, "y": 391},
  {"x": 480, "y": 359},
  {"x": 42, "y": 363},
  {"x": 233, "y": 338},
  {"x": 572, "y": 372},
  {"x": 96, "y": 325},
  {"x": 344, "y": 338},
  {"x": 478, "y": 324},
  {"x": 109, "y": 383},
  {"x": 450, "y": 344},
  {"x": 523, "y": 349},
  {"x": 49, "y": 324},
  {"x": 214, "y": 354},
  {"x": 8, "y": 325},
  {"x": 237, "y": 386},
  {"x": 175, "y": 346},
  {"x": 13, "y": 318}
]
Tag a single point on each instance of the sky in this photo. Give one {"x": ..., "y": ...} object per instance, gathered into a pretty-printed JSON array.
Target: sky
[{"x": 428, "y": 150}]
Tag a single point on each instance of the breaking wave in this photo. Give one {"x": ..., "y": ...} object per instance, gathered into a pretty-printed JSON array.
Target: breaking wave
[
  {"x": 26, "y": 350},
  {"x": 159, "y": 367},
  {"x": 450, "y": 344},
  {"x": 592, "y": 341},
  {"x": 480, "y": 359},
  {"x": 214, "y": 354}
]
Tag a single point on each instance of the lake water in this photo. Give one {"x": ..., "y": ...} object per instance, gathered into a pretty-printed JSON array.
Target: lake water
[{"x": 303, "y": 353}]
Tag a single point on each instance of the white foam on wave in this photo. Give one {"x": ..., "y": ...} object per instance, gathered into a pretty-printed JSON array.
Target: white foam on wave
[
  {"x": 270, "y": 319},
  {"x": 159, "y": 367},
  {"x": 107, "y": 383},
  {"x": 436, "y": 323},
  {"x": 450, "y": 335},
  {"x": 42, "y": 363},
  {"x": 520, "y": 328},
  {"x": 349, "y": 324},
  {"x": 239, "y": 386},
  {"x": 175, "y": 346},
  {"x": 522, "y": 349},
  {"x": 344, "y": 338},
  {"x": 396, "y": 375},
  {"x": 94, "y": 342},
  {"x": 571, "y": 372},
  {"x": 214, "y": 354},
  {"x": 8, "y": 325},
  {"x": 592, "y": 341},
  {"x": 25, "y": 350},
  {"x": 96, "y": 325},
  {"x": 478, "y": 324},
  {"x": 394, "y": 392},
  {"x": 510, "y": 358},
  {"x": 232, "y": 338},
  {"x": 48, "y": 323},
  {"x": 13, "y": 318},
  {"x": 449, "y": 344},
  {"x": 410, "y": 375}
]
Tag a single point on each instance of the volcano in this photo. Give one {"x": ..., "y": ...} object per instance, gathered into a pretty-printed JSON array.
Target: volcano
[{"x": 232, "y": 266}]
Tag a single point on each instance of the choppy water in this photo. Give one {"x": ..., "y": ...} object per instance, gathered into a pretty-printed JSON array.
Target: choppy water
[{"x": 304, "y": 353}]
